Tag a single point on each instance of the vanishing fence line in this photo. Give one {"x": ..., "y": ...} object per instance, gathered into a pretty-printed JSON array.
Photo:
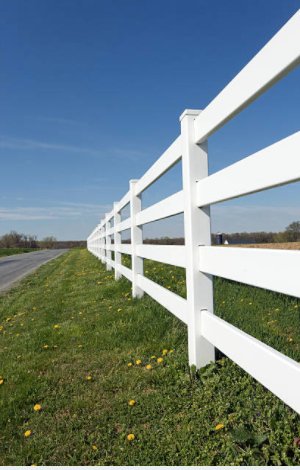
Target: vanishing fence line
[{"x": 275, "y": 270}]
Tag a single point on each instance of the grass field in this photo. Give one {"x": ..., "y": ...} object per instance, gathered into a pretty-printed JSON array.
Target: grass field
[
  {"x": 70, "y": 339},
  {"x": 15, "y": 251}
]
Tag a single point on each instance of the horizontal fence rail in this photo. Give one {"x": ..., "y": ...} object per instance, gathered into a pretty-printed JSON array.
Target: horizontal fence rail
[{"x": 275, "y": 270}]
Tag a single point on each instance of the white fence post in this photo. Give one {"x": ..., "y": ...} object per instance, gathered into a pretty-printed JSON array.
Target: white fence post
[
  {"x": 197, "y": 232},
  {"x": 97, "y": 242},
  {"x": 117, "y": 241},
  {"x": 137, "y": 263},
  {"x": 103, "y": 243},
  {"x": 107, "y": 243}
]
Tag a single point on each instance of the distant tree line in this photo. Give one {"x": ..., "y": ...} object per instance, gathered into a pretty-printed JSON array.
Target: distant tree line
[
  {"x": 290, "y": 234},
  {"x": 20, "y": 240},
  {"x": 14, "y": 239}
]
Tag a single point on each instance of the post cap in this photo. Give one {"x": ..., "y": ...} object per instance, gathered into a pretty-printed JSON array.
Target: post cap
[{"x": 190, "y": 112}]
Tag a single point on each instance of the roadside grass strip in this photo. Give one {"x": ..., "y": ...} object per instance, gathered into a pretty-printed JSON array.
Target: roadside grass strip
[
  {"x": 15, "y": 251},
  {"x": 89, "y": 376}
]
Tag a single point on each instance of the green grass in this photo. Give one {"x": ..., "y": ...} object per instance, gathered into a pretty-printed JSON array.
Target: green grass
[
  {"x": 15, "y": 251},
  {"x": 100, "y": 331}
]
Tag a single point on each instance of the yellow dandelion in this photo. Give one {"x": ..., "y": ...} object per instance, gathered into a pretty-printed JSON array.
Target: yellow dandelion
[
  {"x": 171, "y": 351},
  {"x": 130, "y": 437},
  {"x": 56, "y": 327},
  {"x": 27, "y": 433},
  {"x": 219, "y": 426},
  {"x": 88, "y": 377},
  {"x": 37, "y": 407},
  {"x": 129, "y": 364},
  {"x": 160, "y": 360},
  {"x": 138, "y": 362},
  {"x": 119, "y": 310},
  {"x": 1, "y": 381},
  {"x": 45, "y": 346},
  {"x": 153, "y": 357},
  {"x": 148, "y": 367},
  {"x": 94, "y": 447},
  {"x": 290, "y": 340},
  {"x": 164, "y": 352},
  {"x": 131, "y": 402}
]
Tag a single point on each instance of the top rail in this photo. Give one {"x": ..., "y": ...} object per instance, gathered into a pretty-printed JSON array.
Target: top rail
[
  {"x": 275, "y": 59},
  {"x": 166, "y": 161},
  {"x": 124, "y": 201}
]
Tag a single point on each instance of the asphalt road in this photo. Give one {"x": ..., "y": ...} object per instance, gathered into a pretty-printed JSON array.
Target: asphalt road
[{"x": 15, "y": 267}]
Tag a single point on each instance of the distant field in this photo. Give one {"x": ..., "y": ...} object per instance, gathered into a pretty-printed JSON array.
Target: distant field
[
  {"x": 15, "y": 251},
  {"x": 275, "y": 246},
  {"x": 70, "y": 337}
]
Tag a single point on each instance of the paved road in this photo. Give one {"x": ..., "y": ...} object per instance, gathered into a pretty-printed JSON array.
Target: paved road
[{"x": 13, "y": 268}]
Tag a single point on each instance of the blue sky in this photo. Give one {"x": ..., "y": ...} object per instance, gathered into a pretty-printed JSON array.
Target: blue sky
[{"x": 91, "y": 94}]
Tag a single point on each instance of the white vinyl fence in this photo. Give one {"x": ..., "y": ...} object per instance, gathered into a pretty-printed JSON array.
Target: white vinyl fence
[{"x": 277, "y": 270}]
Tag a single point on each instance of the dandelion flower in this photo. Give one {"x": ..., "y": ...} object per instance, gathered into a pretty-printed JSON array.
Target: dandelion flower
[
  {"x": 129, "y": 364},
  {"x": 119, "y": 310},
  {"x": 45, "y": 346},
  {"x": 138, "y": 362},
  {"x": 219, "y": 426},
  {"x": 27, "y": 433},
  {"x": 171, "y": 351},
  {"x": 153, "y": 357},
  {"x": 56, "y": 327},
  {"x": 130, "y": 437},
  {"x": 164, "y": 352},
  {"x": 1, "y": 381},
  {"x": 94, "y": 447},
  {"x": 37, "y": 407},
  {"x": 160, "y": 360},
  {"x": 148, "y": 367},
  {"x": 131, "y": 402},
  {"x": 88, "y": 377}
]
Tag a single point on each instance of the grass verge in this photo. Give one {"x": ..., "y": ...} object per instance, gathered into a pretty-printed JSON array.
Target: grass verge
[
  {"x": 69, "y": 333},
  {"x": 15, "y": 251}
]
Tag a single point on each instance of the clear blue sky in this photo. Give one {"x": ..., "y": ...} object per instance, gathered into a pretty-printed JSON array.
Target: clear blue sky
[{"x": 91, "y": 93}]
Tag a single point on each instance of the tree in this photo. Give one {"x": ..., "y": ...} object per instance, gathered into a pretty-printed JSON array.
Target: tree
[
  {"x": 48, "y": 242},
  {"x": 293, "y": 231}
]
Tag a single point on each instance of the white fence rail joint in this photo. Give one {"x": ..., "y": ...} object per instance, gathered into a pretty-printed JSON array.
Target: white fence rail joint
[{"x": 272, "y": 166}]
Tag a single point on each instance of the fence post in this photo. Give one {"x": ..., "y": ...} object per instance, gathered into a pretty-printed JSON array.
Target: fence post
[
  {"x": 137, "y": 263},
  {"x": 117, "y": 241},
  {"x": 101, "y": 243},
  {"x": 197, "y": 232},
  {"x": 107, "y": 243},
  {"x": 96, "y": 241}
]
